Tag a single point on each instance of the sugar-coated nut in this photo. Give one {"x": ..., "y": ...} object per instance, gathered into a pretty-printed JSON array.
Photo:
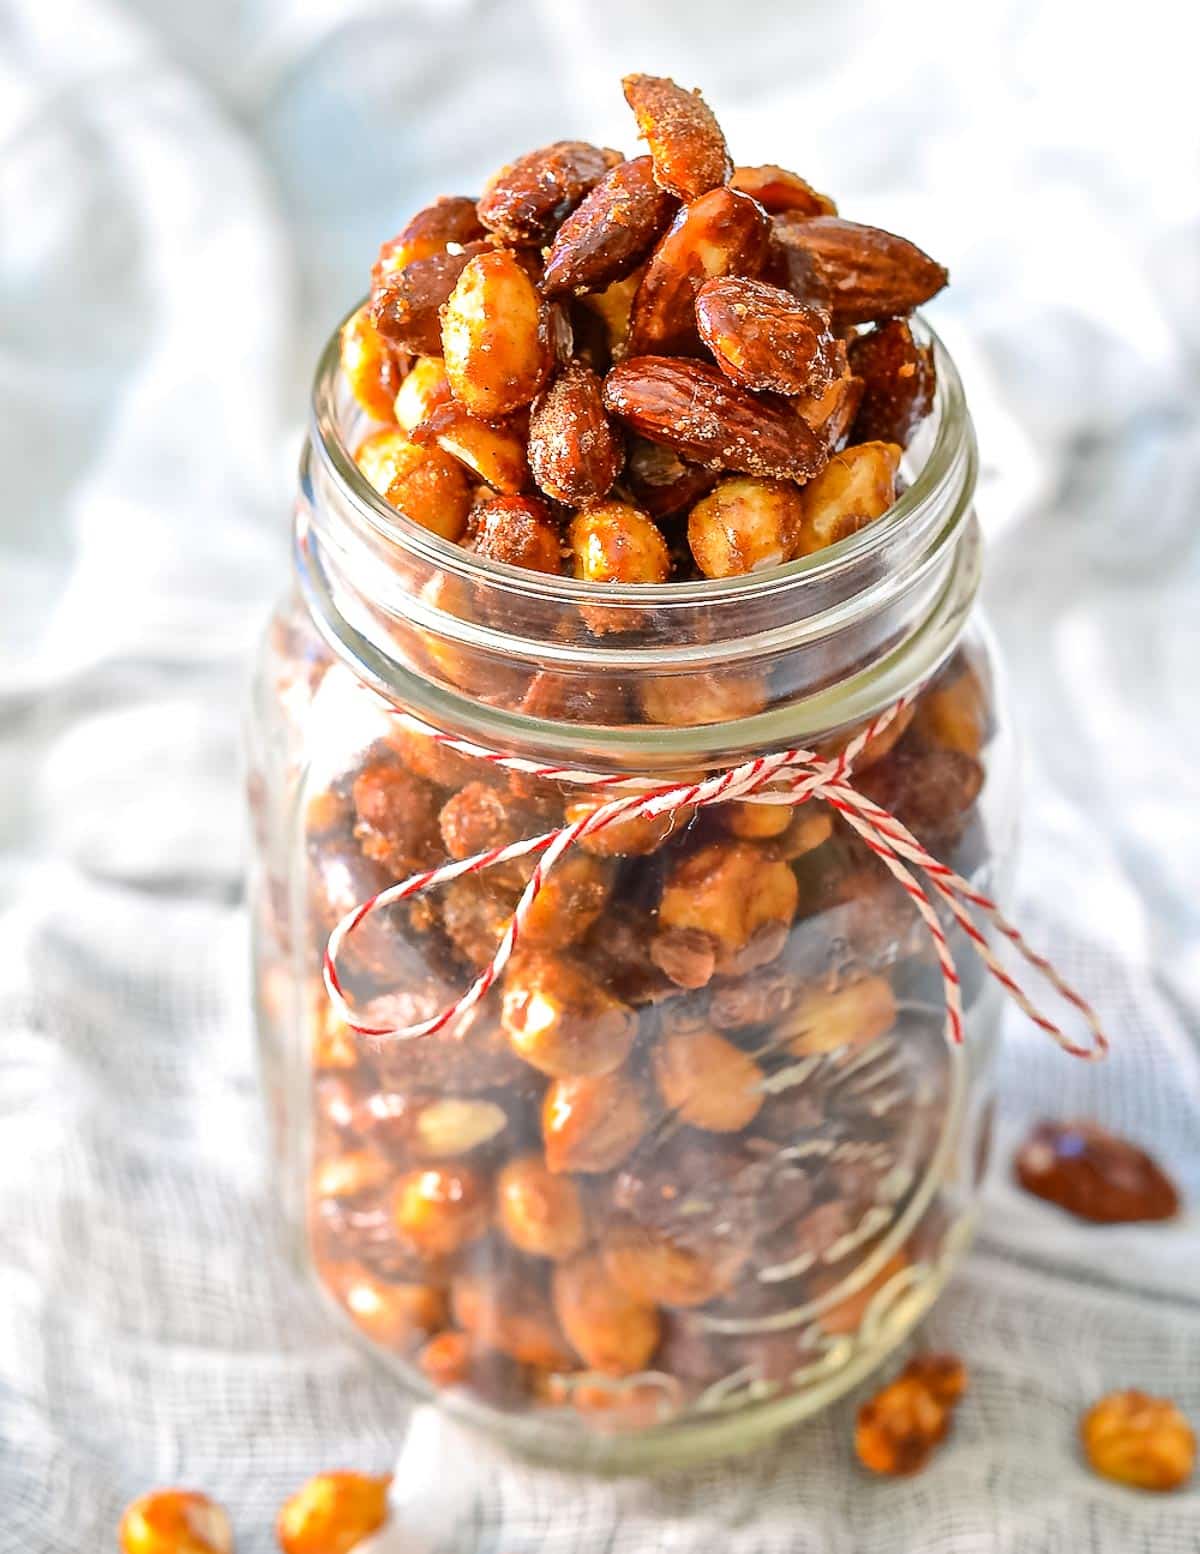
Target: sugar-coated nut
[
  {"x": 955, "y": 714},
  {"x": 702, "y": 698},
  {"x": 682, "y": 133},
  {"x": 848, "y": 1016},
  {"x": 708, "y": 1081},
  {"x": 518, "y": 531},
  {"x": 611, "y": 1331},
  {"x": 870, "y": 273},
  {"x": 615, "y": 543},
  {"x": 1094, "y": 1174},
  {"x": 332, "y": 1513},
  {"x": 492, "y": 450},
  {"x": 756, "y": 822},
  {"x": 175, "y": 1521},
  {"x": 540, "y": 1212},
  {"x": 898, "y": 382},
  {"x": 633, "y": 838},
  {"x": 945, "y": 1375},
  {"x": 441, "y": 1208},
  {"x": 381, "y": 455},
  {"x": 430, "y": 488},
  {"x": 777, "y": 190},
  {"x": 406, "y": 304},
  {"x": 574, "y": 452},
  {"x": 764, "y": 338},
  {"x": 857, "y": 486},
  {"x": 728, "y": 890},
  {"x": 561, "y": 1020},
  {"x": 1145, "y": 1442},
  {"x": 810, "y": 827},
  {"x": 474, "y": 916},
  {"x": 875, "y": 748},
  {"x": 423, "y": 390},
  {"x": 495, "y": 336},
  {"x": 526, "y": 201},
  {"x": 744, "y": 525},
  {"x": 829, "y": 413},
  {"x": 455, "y": 1125},
  {"x": 451, "y": 219},
  {"x": 687, "y": 956},
  {"x": 437, "y": 763},
  {"x": 511, "y": 1315},
  {"x": 610, "y": 232},
  {"x": 653, "y": 1266},
  {"x": 397, "y": 816},
  {"x": 614, "y": 307},
  {"x": 370, "y": 365},
  {"x": 899, "y": 1428},
  {"x": 480, "y": 817},
  {"x": 396, "y": 1315},
  {"x": 660, "y": 482},
  {"x": 591, "y": 1124},
  {"x": 446, "y": 1359},
  {"x": 355, "y": 1174},
  {"x": 571, "y": 899}
]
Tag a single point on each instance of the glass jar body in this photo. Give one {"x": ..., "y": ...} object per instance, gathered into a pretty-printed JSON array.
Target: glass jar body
[{"x": 703, "y": 1157}]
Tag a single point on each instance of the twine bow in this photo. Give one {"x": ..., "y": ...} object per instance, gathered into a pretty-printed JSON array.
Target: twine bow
[{"x": 786, "y": 777}]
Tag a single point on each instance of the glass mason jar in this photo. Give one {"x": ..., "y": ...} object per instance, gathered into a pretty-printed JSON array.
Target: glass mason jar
[{"x": 704, "y": 1155}]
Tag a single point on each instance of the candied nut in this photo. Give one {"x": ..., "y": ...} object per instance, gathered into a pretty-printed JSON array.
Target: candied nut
[
  {"x": 955, "y": 713},
  {"x": 609, "y": 1330},
  {"x": 725, "y": 233},
  {"x": 756, "y": 822},
  {"x": 744, "y": 525},
  {"x": 615, "y": 543},
  {"x": 406, "y": 305},
  {"x": 830, "y": 414},
  {"x": 850, "y": 1016},
  {"x": 653, "y": 1266},
  {"x": 591, "y": 1124},
  {"x": 380, "y": 455},
  {"x": 451, "y": 219},
  {"x": 572, "y": 897},
  {"x": 399, "y": 1316},
  {"x": 455, "y": 1125},
  {"x": 495, "y": 336},
  {"x": 574, "y": 698},
  {"x": 660, "y": 482},
  {"x": 441, "y": 1209},
  {"x": 777, "y": 190},
  {"x": 397, "y": 817},
  {"x": 702, "y": 698},
  {"x": 1094, "y": 1174},
  {"x": 898, "y": 1429},
  {"x": 541, "y": 1213},
  {"x": 527, "y": 201},
  {"x": 356, "y": 1174},
  {"x": 519, "y": 531},
  {"x": 879, "y": 745},
  {"x": 809, "y": 828},
  {"x": 423, "y": 390},
  {"x": 562, "y": 1020},
  {"x": 437, "y": 763},
  {"x": 332, "y": 1513},
  {"x": 175, "y": 1521},
  {"x": 944, "y": 1375},
  {"x": 764, "y": 338},
  {"x": 481, "y": 817},
  {"x": 791, "y": 266},
  {"x": 428, "y": 487},
  {"x": 928, "y": 790},
  {"x": 371, "y": 367},
  {"x": 624, "y": 838},
  {"x": 871, "y": 274},
  {"x": 855, "y": 487},
  {"x": 492, "y": 450},
  {"x": 614, "y": 306},
  {"x": 509, "y": 1313},
  {"x": 706, "y": 1079},
  {"x": 695, "y": 409},
  {"x": 446, "y": 1359},
  {"x": 686, "y": 144},
  {"x": 1139, "y": 1440},
  {"x": 728, "y": 890},
  {"x": 610, "y": 233},
  {"x": 574, "y": 453},
  {"x": 688, "y": 956},
  {"x": 898, "y": 382},
  {"x": 474, "y": 916}
]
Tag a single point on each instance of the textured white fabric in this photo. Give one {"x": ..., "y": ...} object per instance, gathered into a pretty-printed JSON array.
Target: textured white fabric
[{"x": 187, "y": 194}]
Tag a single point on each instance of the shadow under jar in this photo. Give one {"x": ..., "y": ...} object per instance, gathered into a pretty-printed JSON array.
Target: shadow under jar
[{"x": 703, "y": 1156}]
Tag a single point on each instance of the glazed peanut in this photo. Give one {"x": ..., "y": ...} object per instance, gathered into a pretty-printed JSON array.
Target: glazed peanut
[
  {"x": 423, "y": 390},
  {"x": 561, "y": 1020},
  {"x": 591, "y": 1124},
  {"x": 441, "y": 1208},
  {"x": 380, "y": 456},
  {"x": 853, "y": 489},
  {"x": 1142, "y": 1441},
  {"x": 429, "y": 487},
  {"x": 615, "y": 543},
  {"x": 495, "y": 336},
  {"x": 572, "y": 898},
  {"x": 370, "y": 365},
  {"x": 175, "y": 1521},
  {"x": 611, "y": 1331},
  {"x": 756, "y": 822},
  {"x": 541, "y": 1213},
  {"x": 396, "y": 817},
  {"x": 332, "y": 1513},
  {"x": 491, "y": 450},
  {"x": 706, "y": 1079},
  {"x": 729, "y": 891},
  {"x": 517, "y": 530},
  {"x": 624, "y": 838},
  {"x": 745, "y": 525}
]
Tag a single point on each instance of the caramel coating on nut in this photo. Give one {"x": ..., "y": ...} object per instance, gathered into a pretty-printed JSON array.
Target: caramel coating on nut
[
  {"x": 898, "y": 382},
  {"x": 898, "y": 1430},
  {"x": 1133, "y": 1438},
  {"x": 574, "y": 452},
  {"x": 1094, "y": 1174},
  {"x": 653, "y": 1266},
  {"x": 572, "y": 898},
  {"x": 441, "y": 1209},
  {"x": 526, "y": 201},
  {"x": 870, "y": 273},
  {"x": 370, "y": 365},
  {"x": 446, "y": 1359},
  {"x": 591, "y": 1124},
  {"x": 764, "y": 338},
  {"x": 423, "y": 390},
  {"x": 615, "y": 543},
  {"x": 494, "y": 451},
  {"x": 519, "y": 531},
  {"x": 511, "y": 1316},
  {"x": 611, "y": 231},
  {"x": 561, "y": 1020},
  {"x": 474, "y": 916},
  {"x": 855, "y": 487},
  {"x": 702, "y": 698},
  {"x": 685, "y": 141},
  {"x": 480, "y": 817},
  {"x": 397, "y": 816},
  {"x": 380, "y": 455},
  {"x": 756, "y": 822},
  {"x": 955, "y": 713},
  {"x": 744, "y": 525},
  {"x": 495, "y": 336},
  {"x": 175, "y": 1521},
  {"x": 634, "y": 838},
  {"x": 354, "y": 1174},
  {"x": 728, "y": 890},
  {"x": 610, "y": 1331},
  {"x": 540, "y": 1212},
  {"x": 710, "y": 1082},
  {"x": 429, "y": 488},
  {"x": 778, "y": 190},
  {"x": 450, "y": 219},
  {"x": 406, "y": 304},
  {"x": 332, "y": 1513},
  {"x": 398, "y": 1316}
]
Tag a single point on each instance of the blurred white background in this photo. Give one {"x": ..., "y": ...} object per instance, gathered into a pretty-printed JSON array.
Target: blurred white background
[{"x": 190, "y": 196}]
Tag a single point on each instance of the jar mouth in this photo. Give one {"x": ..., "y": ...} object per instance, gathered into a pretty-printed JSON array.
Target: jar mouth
[{"x": 949, "y": 460}]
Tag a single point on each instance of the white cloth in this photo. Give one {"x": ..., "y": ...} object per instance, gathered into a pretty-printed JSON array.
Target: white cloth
[{"x": 189, "y": 196}]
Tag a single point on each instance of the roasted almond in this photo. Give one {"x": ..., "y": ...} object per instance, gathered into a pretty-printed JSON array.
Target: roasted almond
[
  {"x": 611, "y": 231},
  {"x": 660, "y": 481},
  {"x": 406, "y": 305},
  {"x": 695, "y": 409},
  {"x": 574, "y": 452},
  {"x": 492, "y": 450},
  {"x": 495, "y": 336},
  {"x": 763, "y": 338},
  {"x": 789, "y": 265},
  {"x": 898, "y": 383},
  {"x": 526, "y": 201},
  {"x": 685, "y": 140},
  {"x": 831, "y": 411},
  {"x": 452, "y": 219},
  {"x": 870, "y": 273},
  {"x": 777, "y": 190},
  {"x": 722, "y": 233}
]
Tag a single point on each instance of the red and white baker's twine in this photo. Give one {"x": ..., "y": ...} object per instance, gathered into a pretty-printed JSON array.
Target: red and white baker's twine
[{"x": 786, "y": 777}]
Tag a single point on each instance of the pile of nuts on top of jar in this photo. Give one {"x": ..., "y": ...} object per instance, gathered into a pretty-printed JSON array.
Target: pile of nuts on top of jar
[{"x": 637, "y": 371}]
